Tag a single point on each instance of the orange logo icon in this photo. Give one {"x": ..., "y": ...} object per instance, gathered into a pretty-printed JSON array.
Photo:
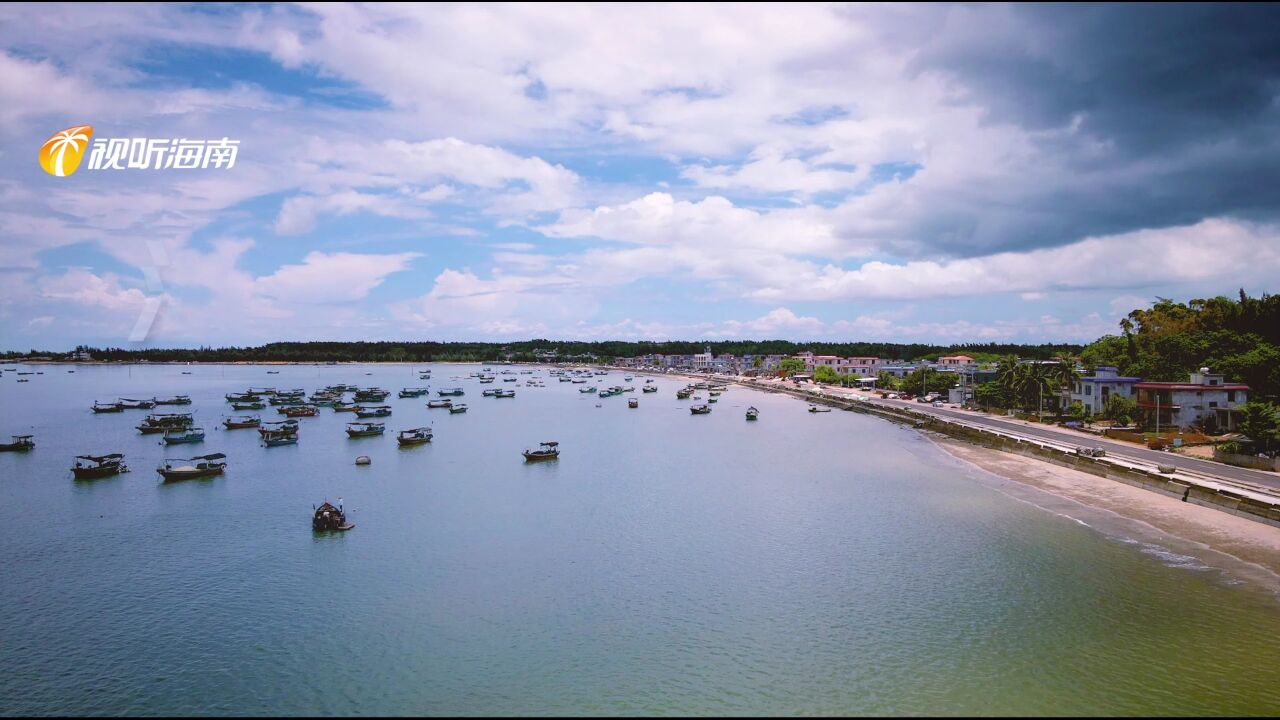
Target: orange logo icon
[{"x": 60, "y": 155}]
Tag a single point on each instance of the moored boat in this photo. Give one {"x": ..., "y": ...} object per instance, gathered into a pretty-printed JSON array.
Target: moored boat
[
  {"x": 505, "y": 394},
  {"x": 490, "y": 392},
  {"x": 341, "y": 406},
  {"x": 243, "y": 398},
  {"x": 21, "y": 443},
  {"x": 457, "y": 409},
  {"x": 179, "y": 436},
  {"x": 159, "y": 422},
  {"x": 256, "y": 405},
  {"x": 447, "y": 392},
  {"x": 281, "y": 426},
  {"x": 413, "y": 392},
  {"x": 371, "y": 429},
  {"x": 190, "y": 468},
  {"x": 816, "y": 409},
  {"x": 416, "y": 436},
  {"x": 328, "y": 518},
  {"x": 131, "y": 404},
  {"x": 683, "y": 394},
  {"x": 590, "y": 389},
  {"x": 649, "y": 388},
  {"x": 700, "y": 409},
  {"x": 175, "y": 400},
  {"x": 276, "y": 438},
  {"x": 440, "y": 404},
  {"x": 633, "y": 403},
  {"x": 295, "y": 411},
  {"x": 242, "y": 422},
  {"x": 92, "y": 467},
  {"x": 545, "y": 451},
  {"x": 374, "y": 411},
  {"x": 752, "y": 413}
]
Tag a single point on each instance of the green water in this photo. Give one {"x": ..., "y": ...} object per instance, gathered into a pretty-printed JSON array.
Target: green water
[{"x": 666, "y": 564}]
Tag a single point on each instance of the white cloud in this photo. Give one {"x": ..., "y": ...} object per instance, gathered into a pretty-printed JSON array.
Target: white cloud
[{"x": 332, "y": 277}]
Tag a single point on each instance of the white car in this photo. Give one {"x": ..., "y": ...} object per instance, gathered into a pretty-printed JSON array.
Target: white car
[{"x": 937, "y": 403}]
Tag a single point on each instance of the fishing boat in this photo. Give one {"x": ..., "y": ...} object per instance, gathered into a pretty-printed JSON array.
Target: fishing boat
[
  {"x": 131, "y": 404},
  {"x": 440, "y": 404},
  {"x": 261, "y": 391},
  {"x": 413, "y": 392},
  {"x": 247, "y": 406},
  {"x": 486, "y": 381},
  {"x": 370, "y": 395},
  {"x": 365, "y": 429},
  {"x": 490, "y": 392},
  {"x": 714, "y": 399},
  {"x": 328, "y": 518},
  {"x": 700, "y": 409},
  {"x": 416, "y": 436},
  {"x": 190, "y": 468},
  {"x": 752, "y": 413},
  {"x": 178, "y": 436},
  {"x": 242, "y": 422},
  {"x": 628, "y": 378},
  {"x": 683, "y": 394},
  {"x": 341, "y": 406},
  {"x": 186, "y": 372},
  {"x": 457, "y": 409},
  {"x": 545, "y": 451},
  {"x": 281, "y": 426},
  {"x": 295, "y": 411},
  {"x": 175, "y": 400},
  {"x": 587, "y": 389},
  {"x": 816, "y": 409},
  {"x": 505, "y": 394},
  {"x": 285, "y": 401},
  {"x": 323, "y": 400},
  {"x": 714, "y": 393},
  {"x": 156, "y": 423},
  {"x": 107, "y": 407},
  {"x": 92, "y": 467},
  {"x": 243, "y": 397},
  {"x": 649, "y": 388},
  {"x": 276, "y": 438},
  {"x": 447, "y": 392},
  {"x": 21, "y": 443},
  {"x": 633, "y": 403},
  {"x": 510, "y": 379},
  {"x": 374, "y": 411}
]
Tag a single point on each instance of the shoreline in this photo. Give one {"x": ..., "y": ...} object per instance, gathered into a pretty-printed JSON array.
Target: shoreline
[{"x": 1214, "y": 539}]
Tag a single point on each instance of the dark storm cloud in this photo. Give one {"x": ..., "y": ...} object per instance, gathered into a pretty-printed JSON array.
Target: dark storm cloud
[{"x": 1144, "y": 116}]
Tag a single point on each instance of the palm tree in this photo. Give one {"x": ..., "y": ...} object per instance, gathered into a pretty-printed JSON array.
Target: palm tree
[
  {"x": 56, "y": 148},
  {"x": 1064, "y": 373}
]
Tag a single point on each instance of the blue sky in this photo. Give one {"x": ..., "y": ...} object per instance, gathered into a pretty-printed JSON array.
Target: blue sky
[{"x": 810, "y": 172}]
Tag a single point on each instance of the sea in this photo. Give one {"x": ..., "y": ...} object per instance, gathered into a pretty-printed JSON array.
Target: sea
[{"x": 666, "y": 564}]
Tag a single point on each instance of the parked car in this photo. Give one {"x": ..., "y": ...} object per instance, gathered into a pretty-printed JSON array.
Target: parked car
[{"x": 938, "y": 403}]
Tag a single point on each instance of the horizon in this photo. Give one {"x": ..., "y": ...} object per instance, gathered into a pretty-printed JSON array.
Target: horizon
[{"x": 914, "y": 174}]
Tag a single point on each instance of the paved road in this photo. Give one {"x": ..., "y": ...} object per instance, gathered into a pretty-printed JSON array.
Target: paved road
[{"x": 1185, "y": 462}]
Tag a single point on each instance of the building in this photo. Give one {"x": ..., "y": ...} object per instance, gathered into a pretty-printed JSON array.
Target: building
[
  {"x": 1093, "y": 392},
  {"x": 1205, "y": 401},
  {"x": 962, "y": 363}
]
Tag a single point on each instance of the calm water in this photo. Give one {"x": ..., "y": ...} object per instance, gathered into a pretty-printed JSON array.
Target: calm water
[{"x": 667, "y": 563}]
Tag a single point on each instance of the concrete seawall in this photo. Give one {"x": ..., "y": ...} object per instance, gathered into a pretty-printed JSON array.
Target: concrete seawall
[{"x": 1179, "y": 485}]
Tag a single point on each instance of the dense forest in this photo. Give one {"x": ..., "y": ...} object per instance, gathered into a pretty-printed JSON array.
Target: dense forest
[
  {"x": 1238, "y": 338},
  {"x": 387, "y": 351}
]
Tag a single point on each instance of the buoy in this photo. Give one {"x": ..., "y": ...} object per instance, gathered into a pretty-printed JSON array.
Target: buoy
[{"x": 363, "y": 460}]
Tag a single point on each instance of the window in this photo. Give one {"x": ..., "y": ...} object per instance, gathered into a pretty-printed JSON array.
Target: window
[
  {"x": 1088, "y": 389},
  {"x": 1213, "y": 404},
  {"x": 1213, "y": 382},
  {"x": 1231, "y": 396}
]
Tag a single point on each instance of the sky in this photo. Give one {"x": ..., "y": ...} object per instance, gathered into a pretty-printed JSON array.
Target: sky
[{"x": 931, "y": 173}]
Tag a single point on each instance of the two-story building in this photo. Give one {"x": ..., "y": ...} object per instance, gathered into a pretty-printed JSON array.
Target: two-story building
[
  {"x": 1094, "y": 391},
  {"x": 1205, "y": 400}
]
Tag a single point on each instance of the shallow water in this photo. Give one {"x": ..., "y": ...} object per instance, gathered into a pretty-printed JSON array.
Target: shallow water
[{"x": 666, "y": 564}]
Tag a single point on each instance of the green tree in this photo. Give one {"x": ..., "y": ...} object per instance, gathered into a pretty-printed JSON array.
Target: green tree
[
  {"x": 1259, "y": 422},
  {"x": 825, "y": 374},
  {"x": 1118, "y": 407},
  {"x": 790, "y": 366}
]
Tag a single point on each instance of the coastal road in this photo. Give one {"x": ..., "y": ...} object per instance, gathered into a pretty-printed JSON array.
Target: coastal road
[{"x": 1184, "y": 462}]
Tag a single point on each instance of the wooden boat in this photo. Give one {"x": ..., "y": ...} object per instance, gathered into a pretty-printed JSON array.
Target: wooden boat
[
  {"x": 300, "y": 411},
  {"x": 175, "y": 400},
  {"x": 370, "y": 395},
  {"x": 159, "y": 422},
  {"x": 633, "y": 403},
  {"x": 328, "y": 518},
  {"x": 714, "y": 399},
  {"x": 273, "y": 372},
  {"x": 243, "y": 398},
  {"x": 282, "y": 426},
  {"x": 486, "y": 381},
  {"x": 440, "y": 404},
  {"x": 649, "y": 388},
  {"x": 546, "y": 451},
  {"x": 700, "y": 409},
  {"x": 372, "y": 412},
  {"x": 190, "y": 468},
  {"x": 323, "y": 400},
  {"x": 752, "y": 413},
  {"x": 587, "y": 389},
  {"x": 365, "y": 429},
  {"x": 416, "y": 436},
  {"x": 261, "y": 391},
  {"x": 511, "y": 379},
  {"x": 683, "y": 394},
  {"x": 247, "y": 406},
  {"x": 413, "y": 392},
  {"x": 816, "y": 409},
  {"x": 21, "y": 443},
  {"x": 714, "y": 393},
  {"x": 490, "y": 392},
  {"x": 242, "y": 422},
  {"x": 345, "y": 407},
  {"x": 457, "y": 409},
  {"x": 276, "y": 438},
  {"x": 107, "y": 407},
  {"x": 179, "y": 436},
  {"x": 447, "y": 392},
  {"x": 131, "y": 404},
  {"x": 505, "y": 394},
  {"x": 92, "y": 467},
  {"x": 282, "y": 401}
]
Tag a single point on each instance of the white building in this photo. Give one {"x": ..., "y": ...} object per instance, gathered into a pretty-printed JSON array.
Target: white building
[
  {"x": 1093, "y": 392},
  {"x": 1206, "y": 400}
]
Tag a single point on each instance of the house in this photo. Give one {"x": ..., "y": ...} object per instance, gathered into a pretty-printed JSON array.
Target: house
[
  {"x": 1094, "y": 391},
  {"x": 1205, "y": 400},
  {"x": 962, "y": 363}
]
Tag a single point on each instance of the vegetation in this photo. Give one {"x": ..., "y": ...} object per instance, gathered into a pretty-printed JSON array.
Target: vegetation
[
  {"x": 1260, "y": 423},
  {"x": 1238, "y": 338},
  {"x": 791, "y": 366}
]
